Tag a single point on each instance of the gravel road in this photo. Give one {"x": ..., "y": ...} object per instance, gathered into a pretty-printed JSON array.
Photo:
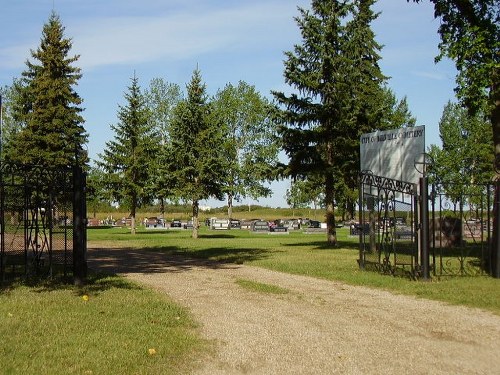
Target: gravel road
[{"x": 318, "y": 327}]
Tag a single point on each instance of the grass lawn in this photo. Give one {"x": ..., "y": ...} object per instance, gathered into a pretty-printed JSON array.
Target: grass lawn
[
  {"x": 303, "y": 254},
  {"x": 110, "y": 326}
]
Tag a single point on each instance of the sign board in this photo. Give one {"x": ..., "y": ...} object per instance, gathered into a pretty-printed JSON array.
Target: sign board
[{"x": 394, "y": 153}]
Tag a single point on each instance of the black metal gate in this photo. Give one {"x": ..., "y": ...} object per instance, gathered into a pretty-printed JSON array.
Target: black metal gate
[
  {"x": 392, "y": 219},
  {"x": 38, "y": 236},
  {"x": 388, "y": 216}
]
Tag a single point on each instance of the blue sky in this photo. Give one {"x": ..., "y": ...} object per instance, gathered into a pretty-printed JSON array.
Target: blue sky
[{"x": 228, "y": 40}]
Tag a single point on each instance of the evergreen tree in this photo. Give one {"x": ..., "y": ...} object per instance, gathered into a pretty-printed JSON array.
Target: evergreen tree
[
  {"x": 396, "y": 113},
  {"x": 127, "y": 158},
  {"x": 196, "y": 149},
  {"x": 47, "y": 105},
  {"x": 339, "y": 84}
]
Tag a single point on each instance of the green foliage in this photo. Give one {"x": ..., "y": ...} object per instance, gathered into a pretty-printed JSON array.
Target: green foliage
[
  {"x": 396, "y": 114},
  {"x": 304, "y": 192},
  {"x": 126, "y": 158},
  {"x": 250, "y": 144},
  {"x": 200, "y": 164},
  {"x": 10, "y": 125},
  {"x": 98, "y": 196},
  {"x": 470, "y": 36},
  {"x": 322, "y": 123},
  {"x": 466, "y": 158},
  {"x": 47, "y": 105},
  {"x": 161, "y": 99}
]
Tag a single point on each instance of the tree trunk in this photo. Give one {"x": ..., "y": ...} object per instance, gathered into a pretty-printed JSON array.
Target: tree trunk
[
  {"x": 195, "y": 219},
  {"x": 132, "y": 217},
  {"x": 331, "y": 231},
  {"x": 162, "y": 207},
  {"x": 229, "y": 206}
]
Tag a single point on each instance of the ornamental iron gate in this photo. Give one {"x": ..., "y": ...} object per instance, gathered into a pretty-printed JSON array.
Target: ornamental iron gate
[
  {"x": 38, "y": 235},
  {"x": 393, "y": 216},
  {"x": 388, "y": 216}
]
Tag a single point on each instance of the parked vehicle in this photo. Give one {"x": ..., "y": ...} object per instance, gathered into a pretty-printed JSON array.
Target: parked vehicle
[{"x": 176, "y": 224}]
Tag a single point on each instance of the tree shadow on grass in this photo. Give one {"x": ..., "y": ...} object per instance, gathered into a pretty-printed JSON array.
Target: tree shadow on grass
[
  {"x": 323, "y": 245},
  {"x": 96, "y": 282},
  {"x": 218, "y": 235}
]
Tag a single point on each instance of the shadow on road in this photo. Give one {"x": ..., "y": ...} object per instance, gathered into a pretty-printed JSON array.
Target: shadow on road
[{"x": 171, "y": 259}]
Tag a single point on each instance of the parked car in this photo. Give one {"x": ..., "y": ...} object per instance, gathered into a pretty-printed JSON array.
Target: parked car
[
  {"x": 151, "y": 222},
  {"x": 176, "y": 224},
  {"x": 235, "y": 224},
  {"x": 314, "y": 224}
]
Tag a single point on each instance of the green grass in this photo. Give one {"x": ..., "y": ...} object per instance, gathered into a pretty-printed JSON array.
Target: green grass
[
  {"x": 53, "y": 329},
  {"x": 303, "y": 254},
  {"x": 50, "y": 328},
  {"x": 261, "y": 287}
]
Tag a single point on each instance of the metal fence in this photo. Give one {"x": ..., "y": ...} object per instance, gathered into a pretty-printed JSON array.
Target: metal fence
[
  {"x": 461, "y": 228},
  {"x": 37, "y": 232},
  {"x": 393, "y": 218}
]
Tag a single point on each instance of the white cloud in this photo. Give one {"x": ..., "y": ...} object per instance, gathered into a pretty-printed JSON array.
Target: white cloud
[
  {"x": 111, "y": 33},
  {"x": 124, "y": 40},
  {"x": 436, "y": 76}
]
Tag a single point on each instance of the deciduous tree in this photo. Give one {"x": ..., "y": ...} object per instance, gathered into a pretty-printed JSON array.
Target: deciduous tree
[
  {"x": 470, "y": 36},
  {"x": 466, "y": 157},
  {"x": 161, "y": 99},
  {"x": 250, "y": 144}
]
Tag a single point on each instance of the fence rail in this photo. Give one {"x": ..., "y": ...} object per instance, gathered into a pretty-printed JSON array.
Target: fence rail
[{"x": 459, "y": 229}]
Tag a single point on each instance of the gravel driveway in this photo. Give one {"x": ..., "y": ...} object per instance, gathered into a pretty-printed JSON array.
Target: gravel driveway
[{"x": 319, "y": 327}]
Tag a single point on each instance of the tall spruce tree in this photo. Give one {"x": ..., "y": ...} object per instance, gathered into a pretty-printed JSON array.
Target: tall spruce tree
[
  {"x": 127, "y": 158},
  {"x": 196, "y": 149},
  {"x": 47, "y": 105},
  {"x": 335, "y": 71}
]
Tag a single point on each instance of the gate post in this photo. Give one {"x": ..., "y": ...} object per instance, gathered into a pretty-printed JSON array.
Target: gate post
[
  {"x": 361, "y": 260},
  {"x": 79, "y": 229},
  {"x": 495, "y": 248},
  {"x": 424, "y": 228}
]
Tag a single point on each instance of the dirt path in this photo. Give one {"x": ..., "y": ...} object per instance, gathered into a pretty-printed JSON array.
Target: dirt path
[{"x": 319, "y": 327}]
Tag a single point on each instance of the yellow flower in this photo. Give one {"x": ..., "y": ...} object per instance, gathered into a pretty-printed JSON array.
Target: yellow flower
[
  {"x": 85, "y": 297},
  {"x": 152, "y": 351}
]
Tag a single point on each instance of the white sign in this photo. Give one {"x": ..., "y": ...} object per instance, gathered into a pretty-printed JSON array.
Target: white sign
[{"x": 395, "y": 154}]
